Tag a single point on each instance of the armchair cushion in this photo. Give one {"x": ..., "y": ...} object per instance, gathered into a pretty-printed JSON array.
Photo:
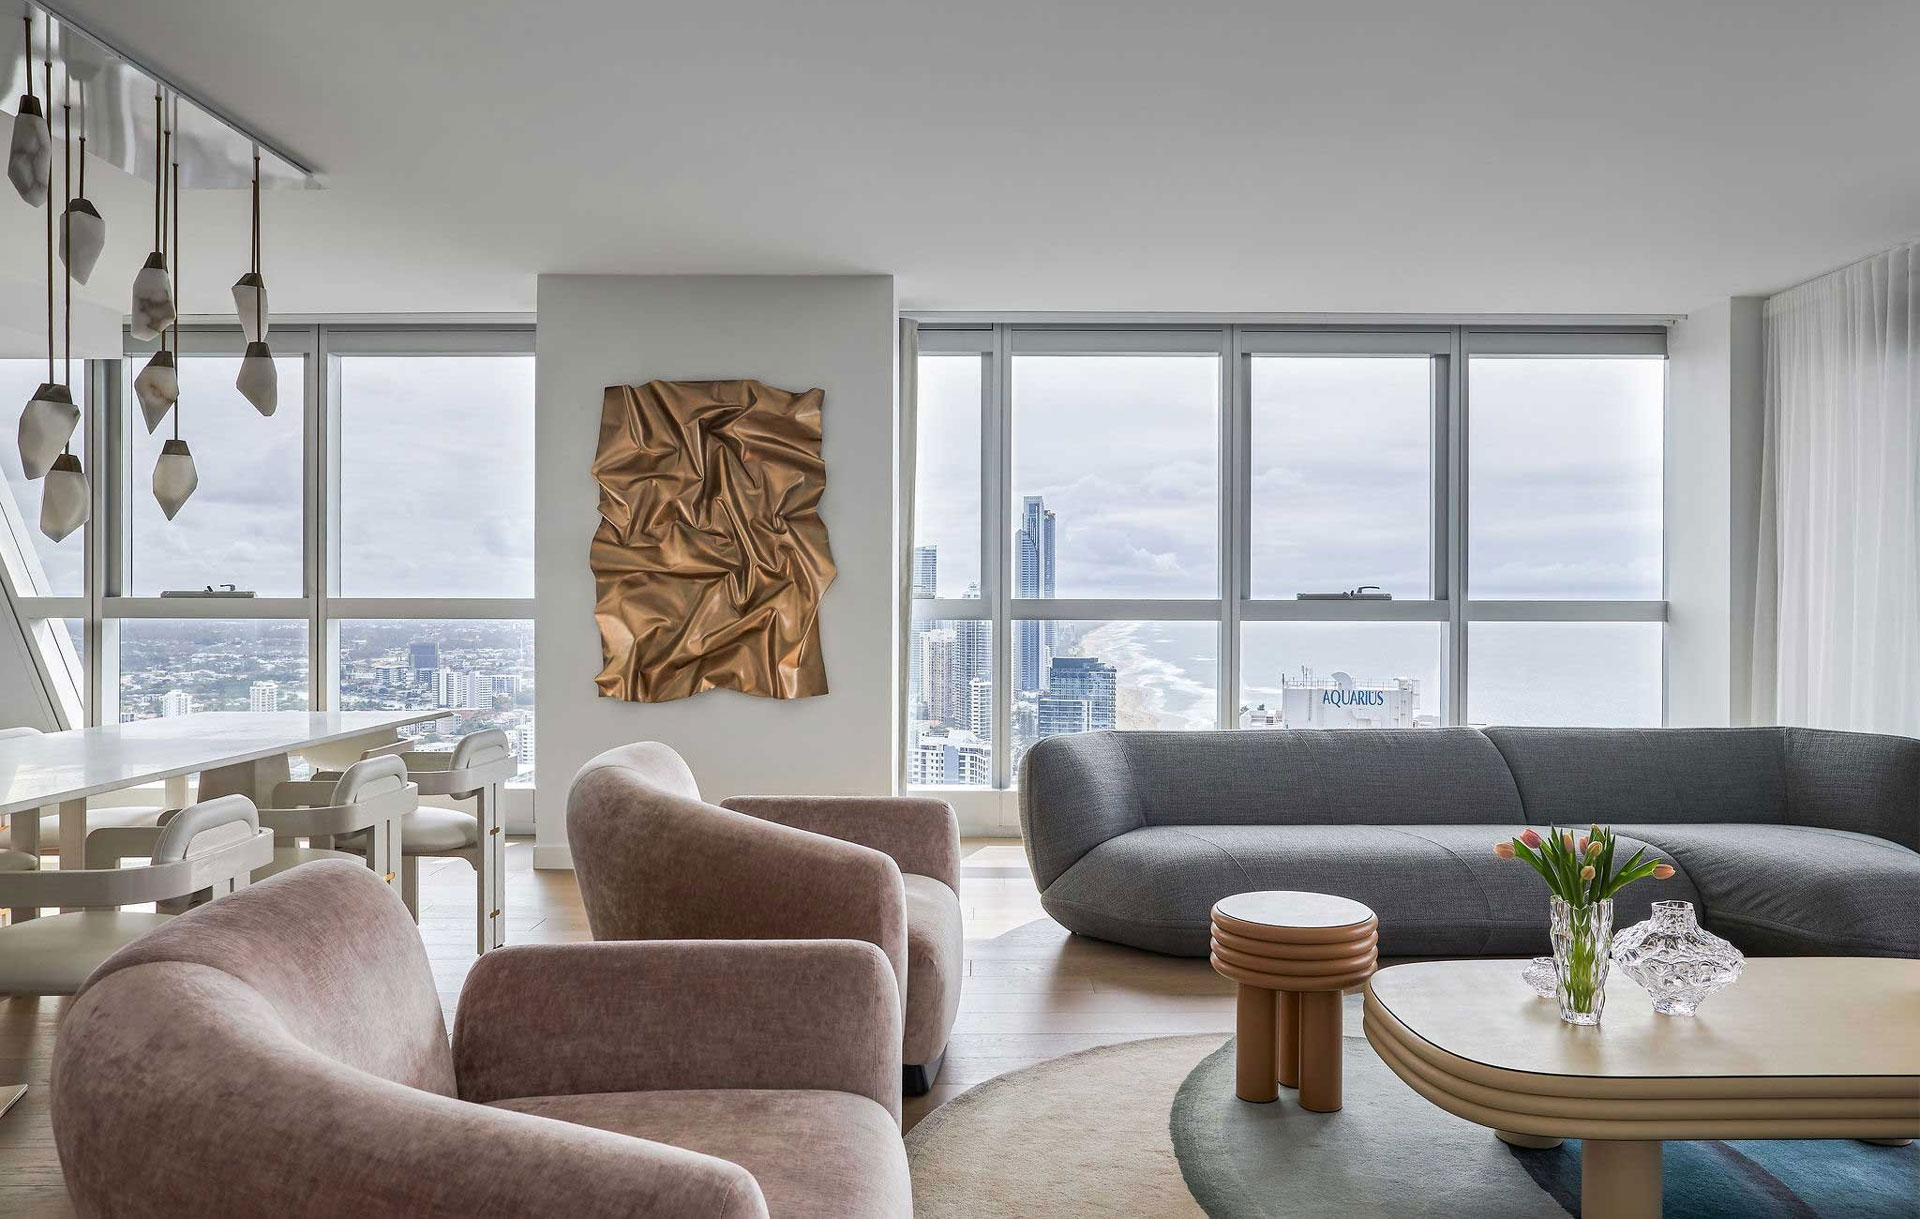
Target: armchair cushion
[
  {"x": 661, "y": 1015},
  {"x": 920, "y": 835},
  {"x": 815, "y": 1155}
]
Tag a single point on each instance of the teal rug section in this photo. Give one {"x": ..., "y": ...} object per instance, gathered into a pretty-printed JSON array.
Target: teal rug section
[{"x": 1390, "y": 1154}]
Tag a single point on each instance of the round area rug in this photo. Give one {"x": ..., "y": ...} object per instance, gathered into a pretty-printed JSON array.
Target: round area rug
[
  {"x": 1390, "y": 1153},
  {"x": 1080, "y": 1137}
]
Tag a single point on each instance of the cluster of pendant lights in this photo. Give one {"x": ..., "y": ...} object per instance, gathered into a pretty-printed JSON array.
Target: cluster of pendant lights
[{"x": 47, "y": 425}]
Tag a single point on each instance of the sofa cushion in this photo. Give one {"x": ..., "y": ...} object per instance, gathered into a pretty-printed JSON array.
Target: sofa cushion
[
  {"x": 816, "y": 1155},
  {"x": 936, "y": 955},
  {"x": 1579, "y": 776},
  {"x": 1798, "y": 890},
  {"x": 1865, "y": 782},
  {"x": 1438, "y": 889}
]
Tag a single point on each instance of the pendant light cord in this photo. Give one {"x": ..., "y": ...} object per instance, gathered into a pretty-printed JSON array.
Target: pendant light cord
[
  {"x": 66, "y": 233},
  {"x": 83, "y": 139},
  {"x": 179, "y": 302},
  {"x": 27, "y": 19},
  {"x": 259, "y": 288},
  {"x": 48, "y": 65}
]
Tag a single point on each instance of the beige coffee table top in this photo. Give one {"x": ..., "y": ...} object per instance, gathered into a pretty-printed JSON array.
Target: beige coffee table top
[{"x": 1800, "y": 1047}]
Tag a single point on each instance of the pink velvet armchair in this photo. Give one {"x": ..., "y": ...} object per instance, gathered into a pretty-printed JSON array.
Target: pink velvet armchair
[
  {"x": 281, "y": 1051},
  {"x": 654, "y": 861}
]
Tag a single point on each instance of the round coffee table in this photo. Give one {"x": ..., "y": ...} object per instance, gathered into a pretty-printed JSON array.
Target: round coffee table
[{"x": 1293, "y": 954}]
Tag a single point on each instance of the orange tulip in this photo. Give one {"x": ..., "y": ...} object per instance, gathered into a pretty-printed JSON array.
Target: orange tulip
[
  {"x": 1566, "y": 839},
  {"x": 1586, "y": 873},
  {"x": 1662, "y": 871},
  {"x": 1503, "y": 849}
]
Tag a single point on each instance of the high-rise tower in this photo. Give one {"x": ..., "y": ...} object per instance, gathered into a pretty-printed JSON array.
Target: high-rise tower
[{"x": 1033, "y": 554}]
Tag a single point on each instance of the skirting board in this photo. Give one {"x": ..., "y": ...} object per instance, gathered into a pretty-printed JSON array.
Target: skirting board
[{"x": 552, "y": 858}]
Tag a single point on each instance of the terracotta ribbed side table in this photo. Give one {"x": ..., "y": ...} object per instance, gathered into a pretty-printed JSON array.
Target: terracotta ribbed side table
[{"x": 1293, "y": 954}]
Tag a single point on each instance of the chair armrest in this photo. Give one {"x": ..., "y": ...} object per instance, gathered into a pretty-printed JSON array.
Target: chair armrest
[
  {"x": 920, "y": 835},
  {"x": 230, "y": 1106},
  {"x": 658, "y": 1015}
]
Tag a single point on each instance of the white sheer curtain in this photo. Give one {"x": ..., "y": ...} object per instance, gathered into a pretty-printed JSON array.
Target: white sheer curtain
[
  {"x": 1839, "y": 592},
  {"x": 905, "y": 469}
]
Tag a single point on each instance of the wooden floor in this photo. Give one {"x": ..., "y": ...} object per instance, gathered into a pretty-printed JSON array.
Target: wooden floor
[{"x": 1031, "y": 993}]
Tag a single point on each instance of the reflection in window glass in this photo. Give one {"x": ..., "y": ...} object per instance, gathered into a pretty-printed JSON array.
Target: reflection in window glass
[
  {"x": 1099, "y": 675},
  {"x": 178, "y": 666},
  {"x": 1565, "y": 483},
  {"x": 1587, "y": 674},
  {"x": 946, "y": 488},
  {"x": 1341, "y": 675},
  {"x": 480, "y": 672},
  {"x": 950, "y": 703},
  {"x": 1116, "y": 477},
  {"x": 243, "y": 525},
  {"x": 1342, "y": 491},
  {"x": 42, "y": 567},
  {"x": 436, "y": 476}
]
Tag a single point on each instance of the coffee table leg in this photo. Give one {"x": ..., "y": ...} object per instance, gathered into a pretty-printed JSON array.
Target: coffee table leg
[
  {"x": 1287, "y": 1037},
  {"x": 1320, "y": 1052},
  {"x": 1254, "y": 1051},
  {"x": 1619, "y": 1179}
]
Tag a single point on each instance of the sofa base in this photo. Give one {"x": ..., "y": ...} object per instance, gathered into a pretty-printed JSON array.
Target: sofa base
[{"x": 917, "y": 1078}]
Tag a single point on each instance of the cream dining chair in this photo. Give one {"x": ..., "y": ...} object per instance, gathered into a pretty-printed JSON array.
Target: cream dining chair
[
  {"x": 30, "y": 834},
  {"x": 210, "y": 847},
  {"x": 367, "y": 800},
  {"x": 476, "y": 769}
]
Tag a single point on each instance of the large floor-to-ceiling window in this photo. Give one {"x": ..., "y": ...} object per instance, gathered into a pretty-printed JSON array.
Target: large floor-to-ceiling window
[
  {"x": 1280, "y": 527},
  {"x": 367, "y": 546}
]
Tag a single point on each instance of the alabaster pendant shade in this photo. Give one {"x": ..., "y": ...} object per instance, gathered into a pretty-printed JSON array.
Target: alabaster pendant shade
[
  {"x": 65, "y": 503},
  {"x": 30, "y": 157},
  {"x": 259, "y": 380},
  {"x": 83, "y": 234},
  {"x": 158, "y": 388},
  {"x": 152, "y": 299},
  {"x": 45, "y": 427},
  {"x": 174, "y": 477},
  {"x": 250, "y": 303}
]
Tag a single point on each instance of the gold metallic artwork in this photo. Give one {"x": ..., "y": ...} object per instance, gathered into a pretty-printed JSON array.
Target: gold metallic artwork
[{"x": 711, "y": 557}]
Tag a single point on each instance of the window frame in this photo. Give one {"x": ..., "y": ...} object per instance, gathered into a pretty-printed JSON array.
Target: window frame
[{"x": 1448, "y": 346}]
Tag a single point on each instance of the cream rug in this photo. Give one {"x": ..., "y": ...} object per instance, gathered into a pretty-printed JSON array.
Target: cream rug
[{"x": 1084, "y": 1135}]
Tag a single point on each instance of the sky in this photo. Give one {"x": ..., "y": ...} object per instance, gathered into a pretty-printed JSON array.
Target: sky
[{"x": 1565, "y": 490}]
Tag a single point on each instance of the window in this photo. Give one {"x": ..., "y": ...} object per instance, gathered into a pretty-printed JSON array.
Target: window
[
  {"x": 1342, "y": 485},
  {"x": 436, "y": 475},
  {"x": 481, "y": 672},
  {"x": 1116, "y": 476},
  {"x": 1168, "y": 518},
  {"x": 38, "y": 565},
  {"x": 244, "y": 524},
  {"x": 177, "y": 666}
]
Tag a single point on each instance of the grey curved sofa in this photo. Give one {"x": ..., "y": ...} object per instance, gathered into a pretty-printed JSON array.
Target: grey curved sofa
[{"x": 1789, "y": 840}]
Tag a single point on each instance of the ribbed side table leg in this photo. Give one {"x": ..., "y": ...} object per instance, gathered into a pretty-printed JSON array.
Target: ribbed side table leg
[
  {"x": 1287, "y": 1037},
  {"x": 1254, "y": 1049},
  {"x": 1321, "y": 1066}
]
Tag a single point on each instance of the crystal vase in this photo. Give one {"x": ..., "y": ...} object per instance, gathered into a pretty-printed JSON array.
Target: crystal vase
[
  {"x": 1676, "y": 960},
  {"x": 1582, "y": 940}
]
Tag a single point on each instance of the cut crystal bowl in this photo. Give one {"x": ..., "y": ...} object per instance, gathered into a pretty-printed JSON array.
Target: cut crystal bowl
[{"x": 1675, "y": 960}]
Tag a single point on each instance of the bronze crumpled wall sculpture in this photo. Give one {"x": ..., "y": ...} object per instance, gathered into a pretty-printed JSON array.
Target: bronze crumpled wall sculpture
[{"x": 711, "y": 557}]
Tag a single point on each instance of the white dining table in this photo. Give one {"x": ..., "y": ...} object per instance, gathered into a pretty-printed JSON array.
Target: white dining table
[{"x": 232, "y": 751}]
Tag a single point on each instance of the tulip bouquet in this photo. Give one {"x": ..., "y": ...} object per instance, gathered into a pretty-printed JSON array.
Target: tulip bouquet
[{"x": 1581, "y": 874}]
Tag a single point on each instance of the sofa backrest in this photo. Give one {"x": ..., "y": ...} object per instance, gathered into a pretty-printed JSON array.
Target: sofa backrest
[
  {"x": 329, "y": 952},
  {"x": 1578, "y": 776}
]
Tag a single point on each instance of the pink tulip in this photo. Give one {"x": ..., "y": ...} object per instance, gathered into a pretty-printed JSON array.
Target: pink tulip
[
  {"x": 1662, "y": 871},
  {"x": 1503, "y": 849},
  {"x": 1586, "y": 873},
  {"x": 1566, "y": 839},
  {"x": 1584, "y": 841},
  {"x": 1530, "y": 838}
]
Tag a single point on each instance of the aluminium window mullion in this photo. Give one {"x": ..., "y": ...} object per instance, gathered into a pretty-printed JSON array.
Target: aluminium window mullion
[
  {"x": 1457, "y": 592},
  {"x": 996, "y": 437},
  {"x": 1236, "y": 523}
]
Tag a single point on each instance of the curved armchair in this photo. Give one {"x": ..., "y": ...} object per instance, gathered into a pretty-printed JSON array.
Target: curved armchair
[
  {"x": 209, "y": 1063},
  {"x": 654, "y": 861}
]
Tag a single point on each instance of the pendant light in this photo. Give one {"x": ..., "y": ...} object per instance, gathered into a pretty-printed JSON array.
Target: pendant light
[
  {"x": 83, "y": 232},
  {"x": 174, "y": 476},
  {"x": 157, "y": 386},
  {"x": 152, "y": 294},
  {"x": 66, "y": 501},
  {"x": 30, "y": 157},
  {"x": 48, "y": 421},
  {"x": 250, "y": 290},
  {"x": 259, "y": 380}
]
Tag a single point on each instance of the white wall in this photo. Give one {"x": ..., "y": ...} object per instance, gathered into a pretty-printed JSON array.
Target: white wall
[
  {"x": 1712, "y": 503},
  {"x": 797, "y": 332}
]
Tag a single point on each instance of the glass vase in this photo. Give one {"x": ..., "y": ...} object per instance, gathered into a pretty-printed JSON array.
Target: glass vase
[
  {"x": 1675, "y": 960},
  {"x": 1582, "y": 943}
]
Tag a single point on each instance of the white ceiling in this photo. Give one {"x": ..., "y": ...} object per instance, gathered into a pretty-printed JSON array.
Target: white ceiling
[{"x": 1399, "y": 155}]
